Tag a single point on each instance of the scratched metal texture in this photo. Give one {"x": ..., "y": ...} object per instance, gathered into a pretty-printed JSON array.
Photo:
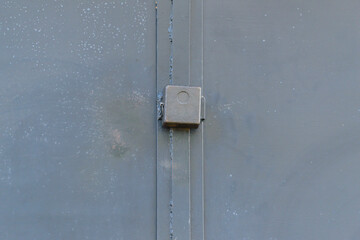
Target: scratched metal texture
[
  {"x": 77, "y": 120},
  {"x": 282, "y": 134}
]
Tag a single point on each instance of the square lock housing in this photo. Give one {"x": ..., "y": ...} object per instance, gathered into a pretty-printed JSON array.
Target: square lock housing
[{"x": 182, "y": 106}]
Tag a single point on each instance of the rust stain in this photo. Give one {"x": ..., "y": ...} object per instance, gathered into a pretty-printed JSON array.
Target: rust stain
[{"x": 117, "y": 147}]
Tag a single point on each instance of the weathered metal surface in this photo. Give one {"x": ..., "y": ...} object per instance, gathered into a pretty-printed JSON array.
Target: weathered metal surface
[
  {"x": 163, "y": 144},
  {"x": 77, "y": 80},
  {"x": 282, "y": 134},
  {"x": 180, "y": 138},
  {"x": 277, "y": 157},
  {"x": 179, "y": 62}
]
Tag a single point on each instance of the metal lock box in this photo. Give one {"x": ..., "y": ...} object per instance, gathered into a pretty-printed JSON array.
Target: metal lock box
[{"x": 182, "y": 106}]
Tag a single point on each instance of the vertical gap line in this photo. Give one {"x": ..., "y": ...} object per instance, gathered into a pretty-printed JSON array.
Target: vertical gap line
[
  {"x": 157, "y": 123},
  {"x": 189, "y": 132},
  {"x": 171, "y": 204},
  {"x": 171, "y": 132},
  {"x": 189, "y": 43},
  {"x": 171, "y": 38},
  {"x": 202, "y": 124},
  {"x": 189, "y": 169}
]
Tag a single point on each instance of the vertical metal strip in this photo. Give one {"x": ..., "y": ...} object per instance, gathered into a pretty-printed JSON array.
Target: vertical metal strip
[
  {"x": 180, "y": 205},
  {"x": 163, "y": 192},
  {"x": 197, "y": 153},
  {"x": 181, "y": 185},
  {"x": 181, "y": 137}
]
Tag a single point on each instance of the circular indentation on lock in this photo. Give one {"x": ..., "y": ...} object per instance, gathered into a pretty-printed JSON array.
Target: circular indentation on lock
[{"x": 183, "y": 97}]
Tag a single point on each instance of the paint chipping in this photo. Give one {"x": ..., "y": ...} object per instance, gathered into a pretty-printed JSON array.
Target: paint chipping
[{"x": 171, "y": 206}]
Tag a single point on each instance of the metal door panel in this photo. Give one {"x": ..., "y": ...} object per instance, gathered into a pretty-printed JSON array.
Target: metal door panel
[
  {"x": 282, "y": 135},
  {"x": 276, "y": 158},
  {"x": 77, "y": 122}
]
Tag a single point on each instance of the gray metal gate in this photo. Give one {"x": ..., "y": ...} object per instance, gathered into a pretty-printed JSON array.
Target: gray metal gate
[{"x": 83, "y": 156}]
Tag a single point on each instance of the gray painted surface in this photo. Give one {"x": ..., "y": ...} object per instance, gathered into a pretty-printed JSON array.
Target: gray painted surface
[
  {"x": 180, "y": 198},
  {"x": 282, "y": 135},
  {"x": 81, "y": 156},
  {"x": 77, "y": 122}
]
